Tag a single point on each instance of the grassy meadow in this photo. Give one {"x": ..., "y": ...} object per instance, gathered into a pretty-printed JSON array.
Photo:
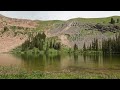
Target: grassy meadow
[{"x": 18, "y": 73}]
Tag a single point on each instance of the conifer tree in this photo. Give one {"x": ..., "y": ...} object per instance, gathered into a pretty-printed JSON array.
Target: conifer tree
[
  {"x": 112, "y": 21},
  {"x": 75, "y": 47},
  {"x": 118, "y": 20},
  {"x": 84, "y": 47}
]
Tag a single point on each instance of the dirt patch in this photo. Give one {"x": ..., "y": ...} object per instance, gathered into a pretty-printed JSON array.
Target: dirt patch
[
  {"x": 8, "y": 43},
  {"x": 64, "y": 40}
]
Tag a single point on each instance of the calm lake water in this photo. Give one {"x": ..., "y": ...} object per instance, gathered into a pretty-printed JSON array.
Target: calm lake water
[{"x": 61, "y": 62}]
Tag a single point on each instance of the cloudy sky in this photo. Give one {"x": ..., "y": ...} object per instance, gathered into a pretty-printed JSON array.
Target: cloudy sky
[{"x": 58, "y": 15}]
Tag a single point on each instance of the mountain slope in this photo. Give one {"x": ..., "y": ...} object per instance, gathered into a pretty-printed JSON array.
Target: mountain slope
[
  {"x": 81, "y": 30},
  {"x": 14, "y": 32}
]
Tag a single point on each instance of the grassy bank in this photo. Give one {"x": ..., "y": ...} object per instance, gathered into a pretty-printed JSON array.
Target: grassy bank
[
  {"x": 17, "y": 73},
  {"x": 51, "y": 51}
]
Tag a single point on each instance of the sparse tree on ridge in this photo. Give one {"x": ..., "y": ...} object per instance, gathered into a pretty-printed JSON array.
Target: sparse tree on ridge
[
  {"x": 112, "y": 21},
  {"x": 118, "y": 20}
]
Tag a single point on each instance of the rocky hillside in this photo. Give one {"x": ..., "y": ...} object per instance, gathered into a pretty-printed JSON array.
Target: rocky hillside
[
  {"x": 80, "y": 30},
  {"x": 14, "y": 32}
]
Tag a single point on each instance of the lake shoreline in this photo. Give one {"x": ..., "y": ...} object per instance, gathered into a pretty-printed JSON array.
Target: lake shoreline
[
  {"x": 63, "y": 66},
  {"x": 17, "y": 73}
]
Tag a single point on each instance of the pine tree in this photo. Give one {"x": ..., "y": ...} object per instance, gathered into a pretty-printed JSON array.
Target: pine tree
[
  {"x": 84, "y": 47},
  {"x": 69, "y": 50},
  {"x": 51, "y": 44},
  {"x": 59, "y": 46},
  {"x": 109, "y": 46},
  {"x": 96, "y": 44},
  {"x": 93, "y": 44},
  {"x": 90, "y": 48},
  {"x": 54, "y": 43},
  {"x": 75, "y": 47},
  {"x": 47, "y": 47},
  {"x": 118, "y": 20},
  {"x": 112, "y": 21},
  {"x": 43, "y": 36}
]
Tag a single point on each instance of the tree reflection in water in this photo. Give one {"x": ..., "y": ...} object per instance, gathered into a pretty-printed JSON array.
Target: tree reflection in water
[{"x": 66, "y": 61}]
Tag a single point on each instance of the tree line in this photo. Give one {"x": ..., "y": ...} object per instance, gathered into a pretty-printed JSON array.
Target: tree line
[
  {"x": 109, "y": 46},
  {"x": 92, "y": 47},
  {"x": 113, "y": 21},
  {"x": 40, "y": 41}
]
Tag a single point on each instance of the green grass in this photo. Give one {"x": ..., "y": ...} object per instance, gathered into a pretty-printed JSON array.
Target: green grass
[
  {"x": 35, "y": 51},
  {"x": 51, "y": 51},
  {"x": 44, "y": 25},
  {"x": 108, "y": 33},
  {"x": 96, "y": 20},
  {"x": 18, "y": 73}
]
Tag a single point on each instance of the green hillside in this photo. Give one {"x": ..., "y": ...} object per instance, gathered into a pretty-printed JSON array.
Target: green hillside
[
  {"x": 44, "y": 25},
  {"x": 84, "y": 30},
  {"x": 95, "y": 20},
  {"x": 79, "y": 32}
]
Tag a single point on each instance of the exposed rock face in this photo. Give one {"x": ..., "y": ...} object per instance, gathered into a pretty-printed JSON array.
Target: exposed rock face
[
  {"x": 13, "y": 32},
  {"x": 16, "y": 22},
  {"x": 74, "y": 32},
  {"x": 9, "y": 43}
]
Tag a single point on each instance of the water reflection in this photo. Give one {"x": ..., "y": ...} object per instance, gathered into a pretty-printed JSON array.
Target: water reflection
[
  {"x": 76, "y": 58},
  {"x": 60, "y": 61},
  {"x": 40, "y": 62}
]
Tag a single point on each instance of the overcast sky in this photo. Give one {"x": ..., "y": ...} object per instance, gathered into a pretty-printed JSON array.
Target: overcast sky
[{"x": 58, "y": 15}]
